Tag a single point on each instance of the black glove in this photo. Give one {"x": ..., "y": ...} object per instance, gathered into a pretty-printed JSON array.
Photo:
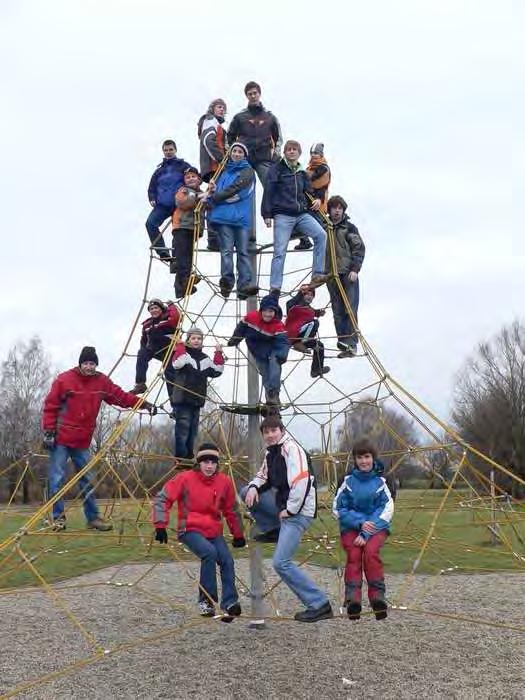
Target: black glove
[
  {"x": 238, "y": 542},
  {"x": 150, "y": 407},
  {"x": 161, "y": 535},
  {"x": 48, "y": 439},
  {"x": 232, "y": 342}
]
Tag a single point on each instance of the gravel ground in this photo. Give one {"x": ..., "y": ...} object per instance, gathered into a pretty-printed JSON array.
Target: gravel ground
[{"x": 410, "y": 654}]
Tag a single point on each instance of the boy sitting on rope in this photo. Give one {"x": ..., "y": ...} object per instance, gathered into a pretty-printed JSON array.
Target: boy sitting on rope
[
  {"x": 283, "y": 499},
  {"x": 184, "y": 224},
  {"x": 204, "y": 496},
  {"x": 302, "y": 327},
  {"x": 192, "y": 369},
  {"x": 364, "y": 507},
  {"x": 267, "y": 341}
]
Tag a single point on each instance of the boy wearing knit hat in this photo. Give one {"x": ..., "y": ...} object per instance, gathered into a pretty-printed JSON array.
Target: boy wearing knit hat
[
  {"x": 186, "y": 230},
  {"x": 69, "y": 419},
  {"x": 302, "y": 327},
  {"x": 193, "y": 368},
  {"x": 267, "y": 341},
  {"x": 320, "y": 178},
  {"x": 289, "y": 201},
  {"x": 204, "y": 496}
]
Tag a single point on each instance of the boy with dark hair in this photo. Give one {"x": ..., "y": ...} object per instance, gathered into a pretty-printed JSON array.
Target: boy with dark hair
[
  {"x": 267, "y": 341},
  {"x": 364, "y": 507},
  {"x": 302, "y": 327},
  {"x": 286, "y": 517},
  {"x": 204, "y": 496},
  {"x": 184, "y": 223},
  {"x": 158, "y": 331},
  {"x": 349, "y": 256},
  {"x": 163, "y": 185},
  {"x": 192, "y": 368}
]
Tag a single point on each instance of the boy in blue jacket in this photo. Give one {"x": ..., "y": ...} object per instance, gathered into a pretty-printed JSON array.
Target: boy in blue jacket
[{"x": 364, "y": 507}]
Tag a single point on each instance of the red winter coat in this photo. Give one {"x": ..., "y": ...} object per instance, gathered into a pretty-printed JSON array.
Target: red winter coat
[
  {"x": 72, "y": 405},
  {"x": 297, "y": 317},
  {"x": 201, "y": 500}
]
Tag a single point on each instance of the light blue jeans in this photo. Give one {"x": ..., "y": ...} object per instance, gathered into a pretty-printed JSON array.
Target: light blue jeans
[
  {"x": 283, "y": 226},
  {"x": 234, "y": 237},
  {"x": 57, "y": 474},
  {"x": 270, "y": 371}
]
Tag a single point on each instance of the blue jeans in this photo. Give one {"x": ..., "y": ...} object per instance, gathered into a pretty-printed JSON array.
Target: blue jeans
[
  {"x": 270, "y": 371},
  {"x": 292, "y": 529},
  {"x": 143, "y": 359},
  {"x": 57, "y": 474},
  {"x": 231, "y": 237},
  {"x": 186, "y": 429},
  {"x": 343, "y": 323},
  {"x": 213, "y": 551},
  {"x": 157, "y": 216},
  {"x": 283, "y": 226}
]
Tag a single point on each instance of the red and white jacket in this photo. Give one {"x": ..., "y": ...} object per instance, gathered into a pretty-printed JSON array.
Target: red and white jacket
[{"x": 202, "y": 502}]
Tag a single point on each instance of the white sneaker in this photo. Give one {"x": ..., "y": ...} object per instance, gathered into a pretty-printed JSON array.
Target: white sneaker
[{"x": 206, "y": 609}]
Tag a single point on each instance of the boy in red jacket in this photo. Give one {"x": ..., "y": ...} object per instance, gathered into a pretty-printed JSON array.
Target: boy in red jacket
[
  {"x": 302, "y": 327},
  {"x": 69, "y": 419},
  {"x": 203, "y": 497}
]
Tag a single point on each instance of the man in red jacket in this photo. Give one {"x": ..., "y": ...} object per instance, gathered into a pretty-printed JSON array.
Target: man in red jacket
[
  {"x": 69, "y": 419},
  {"x": 203, "y": 495}
]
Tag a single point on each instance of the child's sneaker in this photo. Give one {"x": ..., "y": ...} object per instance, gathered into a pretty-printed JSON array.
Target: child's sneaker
[
  {"x": 59, "y": 524},
  {"x": 380, "y": 609},
  {"x": 353, "y": 611},
  {"x": 232, "y": 612},
  {"x": 206, "y": 609}
]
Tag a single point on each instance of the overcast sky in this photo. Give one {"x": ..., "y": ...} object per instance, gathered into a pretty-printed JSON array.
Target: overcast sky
[{"x": 419, "y": 107}]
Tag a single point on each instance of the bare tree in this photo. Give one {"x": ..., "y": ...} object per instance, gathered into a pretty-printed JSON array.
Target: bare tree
[
  {"x": 24, "y": 380},
  {"x": 489, "y": 402}
]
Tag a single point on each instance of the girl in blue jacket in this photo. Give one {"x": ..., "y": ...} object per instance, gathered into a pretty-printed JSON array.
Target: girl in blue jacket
[
  {"x": 364, "y": 507},
  {"x": 231, "y": 200}
]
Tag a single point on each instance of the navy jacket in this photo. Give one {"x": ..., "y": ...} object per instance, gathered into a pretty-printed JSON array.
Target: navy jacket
[
  {"x": 262, "y": 338},
  {"x": 166, "y": 180},
  {"x": 285, "y": 191}
]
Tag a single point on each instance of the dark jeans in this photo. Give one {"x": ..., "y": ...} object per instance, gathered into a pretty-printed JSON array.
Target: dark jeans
[
  {"x": 234, "y": 237},
  {"x": 143, "y": 359},
  {"x": 186, "y": 429},
  {"x": 308, "y": 333},
  {"x": 270, "y": 371},
  {"x": 183, "y": 253},
  {"x": 213, "y": 551},
  {"x": 261, "y": 168},
  {"x": 344, "y": 326},
  {"x": 157, "y": 216}
]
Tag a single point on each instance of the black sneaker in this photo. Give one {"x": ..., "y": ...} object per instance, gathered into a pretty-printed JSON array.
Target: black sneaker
[
  {"x": 349, "y": 352},
  {"x": 248, "y": 291},
  {"x": 269, "y": 536},
  {"x": 353, "y": 611},
  {"x": 232, "y": 612},
  {"x": 380, "y": 609},
  {"x": 304, "y": 244},
  {"x": 225, "y": 287},
  {"x": 320, "y": 373},
  {"x": 325, "y": 612}
]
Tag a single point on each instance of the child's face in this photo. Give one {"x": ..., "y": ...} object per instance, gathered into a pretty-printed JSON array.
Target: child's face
[
  {"x": 195, "y": 341},
  {"x": 268, "y": 315},
  {"x": 192, "y": 180},
  {"x": 155, "y": 311},
  {"x": 308, "y": 297},
  {"x": 364, "y": 462},
  {"x": 271, "y": 436},
  {"x": 237, "y": 154},
  {"x": 292, "y": 154},
  {"x": 208, "y": 467},
  {"x": 315, "y": 158},
  {"x": 169, "y": 151}
]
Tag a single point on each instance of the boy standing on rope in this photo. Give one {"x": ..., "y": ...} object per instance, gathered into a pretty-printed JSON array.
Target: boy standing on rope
[
  {"x": 69, "y": 420},
  {"x": 184, "y": 224},
  {"x": 212, "y": 136},
  {"x": 288, "y": 200},
  {"x": 364, "y": 507},
  {"x": 164, "y": 182},
  {"x": 192, "y": 368},
  {"x": 231, "y": 216},
  {"x": 320, "y": 177},
  {"x": 349, "y": 256},
  {"x": 283, "y": 497},
  {"x": 302, "y": 327},
  {"x": 204, "y": 496},
  {"x": 267, "y": 341}
]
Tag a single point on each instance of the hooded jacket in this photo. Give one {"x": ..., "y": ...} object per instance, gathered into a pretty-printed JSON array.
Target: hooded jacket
[
  {"x": 157, "y": 333},
  {"x": 349, "y": 248},
  {"x": 193, "y": 368},
  {"x": 202, "y": 501},
  {"x": 298, "y": 313},
  {"x": 320, "y": 177},
  {"x": 363, "y": 496},
  {"x": 232, "y": 201},
  {"x": 73, "y": 402},
  {"x": 285, "y": 468},
  {"x": 263, "y": 337},
  {"x": 212, "y": 144},
  {"x": 259, "y": 130},
  {"x": 166, "y": 180},
  {"x": 285, "y": 191}
]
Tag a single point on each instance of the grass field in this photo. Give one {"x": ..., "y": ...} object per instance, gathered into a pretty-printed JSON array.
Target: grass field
[{"x": 458, "y": 537}]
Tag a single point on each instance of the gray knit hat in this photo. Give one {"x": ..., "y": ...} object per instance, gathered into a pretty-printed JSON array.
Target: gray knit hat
[
  {"x": 317, "y": 149},
  {"x": 194, "y": 330}
]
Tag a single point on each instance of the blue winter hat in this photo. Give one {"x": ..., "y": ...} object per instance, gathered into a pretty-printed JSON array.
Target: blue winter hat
[{"x": 270, "y": 302}]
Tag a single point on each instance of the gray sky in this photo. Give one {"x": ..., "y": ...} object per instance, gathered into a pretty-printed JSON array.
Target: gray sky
[{"x": 419, "y": 109}]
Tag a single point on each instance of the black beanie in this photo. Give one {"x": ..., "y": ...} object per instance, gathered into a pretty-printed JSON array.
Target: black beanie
[{"x": 88, "y": 354}]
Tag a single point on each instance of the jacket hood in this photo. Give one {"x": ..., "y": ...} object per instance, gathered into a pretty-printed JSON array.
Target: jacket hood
[
  {"x": 270, "y": 302},
  {"x": 237, "y": 165},
  {"x": 364, "y": 476}
]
